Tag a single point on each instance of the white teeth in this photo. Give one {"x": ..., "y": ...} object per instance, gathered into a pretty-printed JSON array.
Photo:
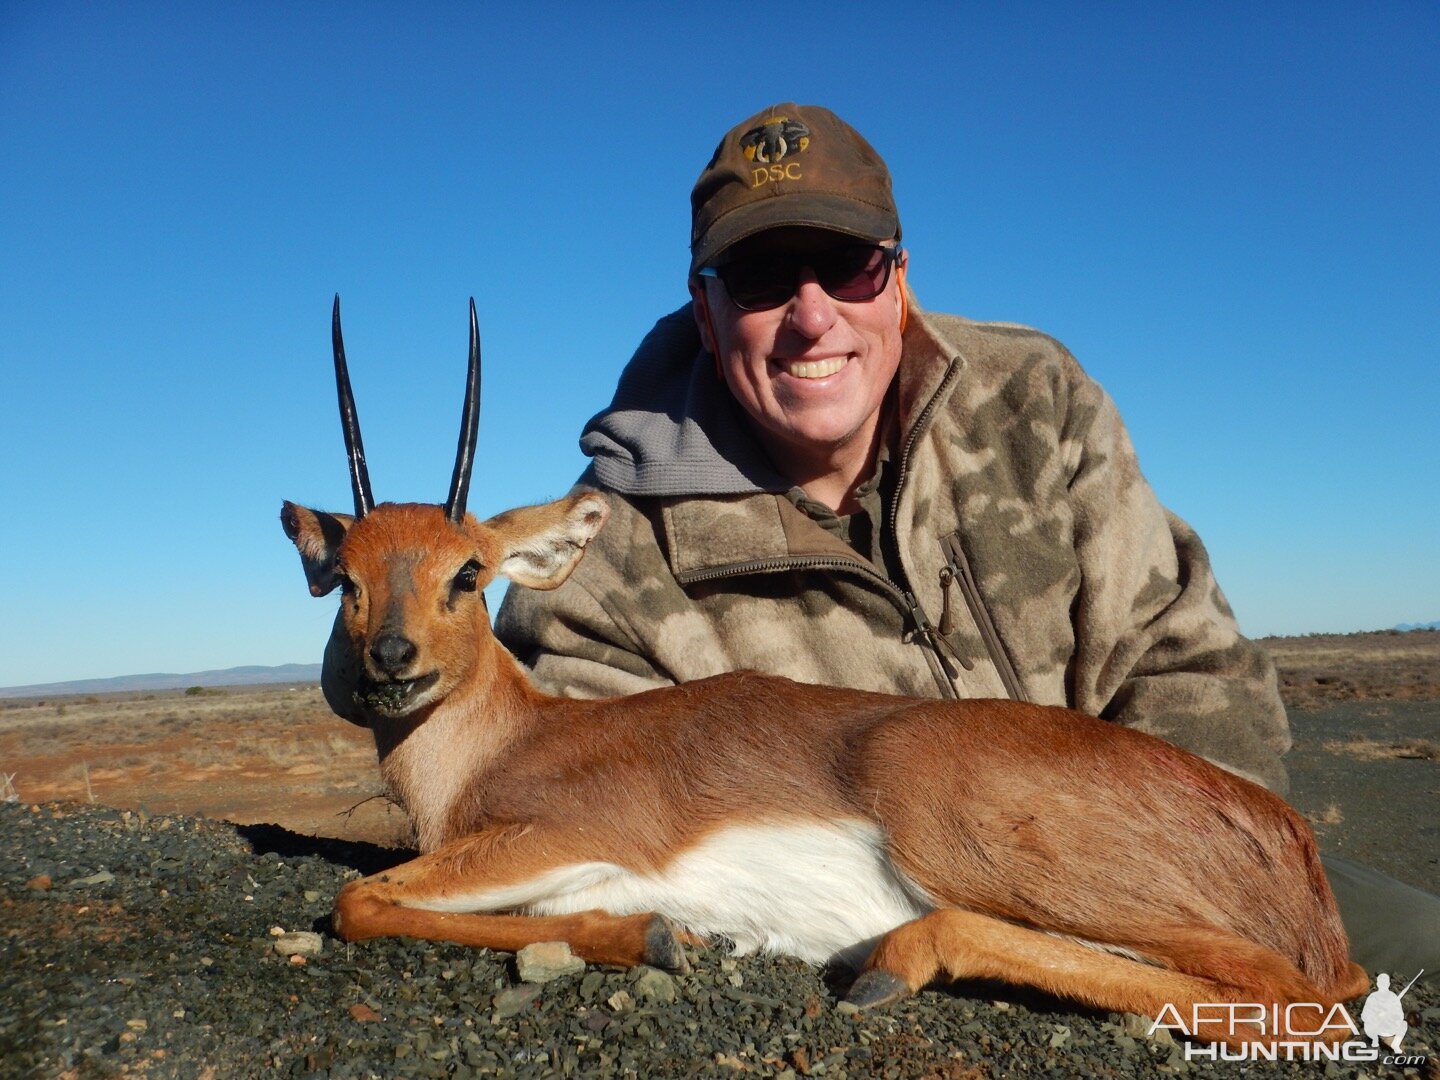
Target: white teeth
[{"x": 815, "y": 369}]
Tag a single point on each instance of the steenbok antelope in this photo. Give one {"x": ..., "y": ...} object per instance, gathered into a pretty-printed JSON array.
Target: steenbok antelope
[{"x": 959, "y": 839}]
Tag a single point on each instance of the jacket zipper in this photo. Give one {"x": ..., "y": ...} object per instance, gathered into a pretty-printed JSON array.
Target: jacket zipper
[
  {"x": 916, "y": 430},
  {"x": 920, "y": 627},
  {"x": 940, "y": 654},
  {"x": 957, "y": 571}
]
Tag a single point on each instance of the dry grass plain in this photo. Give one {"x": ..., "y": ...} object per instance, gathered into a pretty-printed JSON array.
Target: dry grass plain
[
  {"x": 1388, "y": 665},
  {"x": 277, "y": 754},
  {"x": 245, "y": 754}
]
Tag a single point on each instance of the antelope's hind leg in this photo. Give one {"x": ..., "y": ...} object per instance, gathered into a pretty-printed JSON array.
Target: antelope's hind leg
[
  {"x": 445, "y": 896},
  {"x": 961, "y": 944}
]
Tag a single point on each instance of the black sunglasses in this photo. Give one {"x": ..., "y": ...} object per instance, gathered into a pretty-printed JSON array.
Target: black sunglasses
[{"x": 764, "y": 281}]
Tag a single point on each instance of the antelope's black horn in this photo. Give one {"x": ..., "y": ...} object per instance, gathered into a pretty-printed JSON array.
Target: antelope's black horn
[
  {"x": 354, "y": 448},
  {"x": 469, "y": 428}
]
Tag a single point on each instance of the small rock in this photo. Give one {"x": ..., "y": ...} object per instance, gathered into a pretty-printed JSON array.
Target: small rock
[
  {"x": 137, "y": 1025},
  {"x": 277, "y": 931},
  {"x": 104, "y": 877},
  {"x": 299, "y": 943},
  {"x": 1135, "y": 1025},
  {"x": 363, "y": 1014},
  {"x": 1060, "y": 1037},
  {"x": 590, "y": 985},
  {"x": 846, "y": 1008},
  {"x": 297, "y": 959},
  {"x": 515, "y": 1000},
  {"x": 620, "y": 1001},
  {"x": 312, "y": 896},
  {"x": 40, "y": 883},
  {"x": 655, "y": 985},
  {"x": 546, "y": 960}
]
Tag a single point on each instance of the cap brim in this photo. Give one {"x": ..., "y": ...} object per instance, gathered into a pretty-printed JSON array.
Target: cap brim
[{"x": 819, "y": 210}]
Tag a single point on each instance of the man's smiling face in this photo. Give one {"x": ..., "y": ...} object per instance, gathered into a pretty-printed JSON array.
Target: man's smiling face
[{"x": 813, "y": 372}]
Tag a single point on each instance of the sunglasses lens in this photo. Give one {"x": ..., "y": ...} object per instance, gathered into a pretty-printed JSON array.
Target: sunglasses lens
[
  {"x": 762, "y": 282},
  {"x": 858, "y": 273}
]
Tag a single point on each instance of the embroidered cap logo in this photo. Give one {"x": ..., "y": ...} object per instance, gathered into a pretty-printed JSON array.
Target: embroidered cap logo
[
  {"x": 770, "y": 144},
  {"x": 775, "y": 140}
]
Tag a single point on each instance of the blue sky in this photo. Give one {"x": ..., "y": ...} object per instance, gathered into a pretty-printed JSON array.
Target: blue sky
[{"x": 1230, "y": 213}]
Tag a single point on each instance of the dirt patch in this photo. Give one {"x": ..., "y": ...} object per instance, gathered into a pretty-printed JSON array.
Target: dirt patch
[
  {"x": 1364, "y": 799},
  {"x": 1374, "y": 750}
]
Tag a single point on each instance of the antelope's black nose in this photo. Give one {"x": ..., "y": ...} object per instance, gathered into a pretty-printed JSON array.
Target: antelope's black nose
[{"x": 392, "y": 653}]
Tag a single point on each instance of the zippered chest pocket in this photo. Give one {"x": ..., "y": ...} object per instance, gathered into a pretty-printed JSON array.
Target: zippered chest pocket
[{"x": 957, "y": 587}]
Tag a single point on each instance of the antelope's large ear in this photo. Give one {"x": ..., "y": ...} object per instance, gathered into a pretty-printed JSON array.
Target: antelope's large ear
[
  {"x": 317, "y": 536},
  {"x": 540, "y": 545}
]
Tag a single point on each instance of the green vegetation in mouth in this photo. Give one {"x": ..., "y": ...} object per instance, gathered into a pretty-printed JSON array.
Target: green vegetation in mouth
[{"x": 383, "y": 697}]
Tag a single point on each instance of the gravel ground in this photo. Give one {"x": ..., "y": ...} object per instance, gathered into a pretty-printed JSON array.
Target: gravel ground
[{"x": 133, "y": 944}]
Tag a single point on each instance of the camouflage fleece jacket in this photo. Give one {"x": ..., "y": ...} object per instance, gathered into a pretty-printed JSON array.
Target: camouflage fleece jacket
[{"x": 1034, "y": 561}]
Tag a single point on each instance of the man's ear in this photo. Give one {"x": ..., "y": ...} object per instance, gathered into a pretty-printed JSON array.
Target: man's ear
[
  {"x": 700, "y": 312},
  {"x": 540, "y": 545},
  {"x": 317, "y": 536},
  {"x": 901, "y": 269}
]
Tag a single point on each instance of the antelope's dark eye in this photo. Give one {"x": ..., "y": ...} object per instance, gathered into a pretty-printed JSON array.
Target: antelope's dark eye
[{"x": 468, "y": 577}]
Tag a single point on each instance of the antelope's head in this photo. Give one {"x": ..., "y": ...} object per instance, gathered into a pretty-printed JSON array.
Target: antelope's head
[{"x": 412, "y": 575}]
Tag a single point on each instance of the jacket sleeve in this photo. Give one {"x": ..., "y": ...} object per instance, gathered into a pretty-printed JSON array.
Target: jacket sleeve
[{"x": 1157, "y": 646}]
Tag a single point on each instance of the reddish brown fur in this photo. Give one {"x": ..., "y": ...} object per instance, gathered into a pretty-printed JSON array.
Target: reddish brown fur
[{"x": 1016, "y": 818}]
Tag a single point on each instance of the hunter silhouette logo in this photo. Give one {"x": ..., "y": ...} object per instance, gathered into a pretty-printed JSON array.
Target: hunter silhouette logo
[
  {"x": 775, "y": 140},
  {"x": 1382, "y": 1015}
]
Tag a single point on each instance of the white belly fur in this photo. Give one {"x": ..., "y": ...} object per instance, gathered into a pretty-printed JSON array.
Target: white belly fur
[{"x": 814, "y": 891}]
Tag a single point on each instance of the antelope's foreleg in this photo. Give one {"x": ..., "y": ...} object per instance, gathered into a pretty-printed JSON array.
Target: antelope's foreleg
[
  {"x": 968, "y": 945},
  {"x": 460, "y": 893}
]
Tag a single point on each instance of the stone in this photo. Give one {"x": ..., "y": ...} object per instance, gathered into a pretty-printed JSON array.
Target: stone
[
  {"x": 299, "y": 943},
  {"x": 545, "y": 961},
  {"x": 515, "y": 1000},
  {"x": 655, "y": 985}
]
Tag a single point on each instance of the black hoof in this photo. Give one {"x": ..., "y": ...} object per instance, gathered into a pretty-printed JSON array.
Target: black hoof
[
  {"x": 876, "y": 987},
  {"x": 663, "y": 949}
]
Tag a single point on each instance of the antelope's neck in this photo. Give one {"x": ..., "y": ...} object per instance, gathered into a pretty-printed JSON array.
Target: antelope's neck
[{"x": 441, "y": 763}]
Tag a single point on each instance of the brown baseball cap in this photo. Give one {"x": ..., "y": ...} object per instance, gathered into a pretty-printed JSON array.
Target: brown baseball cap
[{"x": 790, "y": 165}]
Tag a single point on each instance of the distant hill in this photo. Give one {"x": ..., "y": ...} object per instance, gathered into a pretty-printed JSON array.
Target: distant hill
[
  {"x": 251, "y": 675},
  {"x": 286, "y": 673}
]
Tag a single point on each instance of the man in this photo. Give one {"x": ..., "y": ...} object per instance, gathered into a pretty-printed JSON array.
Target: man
[{"x": 811, "y": 476}]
